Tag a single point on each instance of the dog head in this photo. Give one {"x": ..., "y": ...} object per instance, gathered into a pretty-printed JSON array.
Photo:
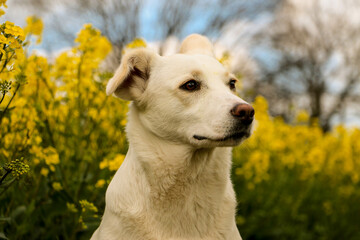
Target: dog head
[{"x": 184, "y": 98}]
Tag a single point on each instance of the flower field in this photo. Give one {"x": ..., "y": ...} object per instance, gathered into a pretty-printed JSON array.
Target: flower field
[
  {"x": 62, "y": 139},
  {"x": 296, "y": 182}
]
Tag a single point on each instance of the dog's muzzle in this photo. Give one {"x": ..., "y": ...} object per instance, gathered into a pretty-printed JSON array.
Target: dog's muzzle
[{"x": 244, "y": 116}]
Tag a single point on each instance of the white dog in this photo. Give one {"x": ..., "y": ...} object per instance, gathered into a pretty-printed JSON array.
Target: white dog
[{"x": 183, "y": 119}]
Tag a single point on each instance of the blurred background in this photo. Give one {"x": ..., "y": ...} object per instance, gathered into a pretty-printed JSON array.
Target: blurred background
[
  {"x": 299, "y": 54},
  {"x": 298, "y": 61}
]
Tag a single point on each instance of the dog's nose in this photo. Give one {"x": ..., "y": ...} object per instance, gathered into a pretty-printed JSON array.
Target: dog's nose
[{"x": 244, "y": 112}]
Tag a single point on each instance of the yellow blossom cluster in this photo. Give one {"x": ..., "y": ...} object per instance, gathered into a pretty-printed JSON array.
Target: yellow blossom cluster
[
  {"x": 34, "y": 27},
  {"x": 87, "y": 206},
  {"x": 48, "y": 155},
  {"x": 87, "y": 209},
  {"x": 57, "y": 116},
  {"x": 112, "y": 164},
  {"x": 57, "y": 186},
  {"x": 136, "y": 43},
  {"x": 11, "y": 50},
  {"x": 17, "y": 167},
  {"x": 100, "y": 183},
  {"x": 71, "y": 207},
  {"x": 276, "y": 144},
  {"x": 16, "y": 31},
  {"x": 92, "y": 47}
]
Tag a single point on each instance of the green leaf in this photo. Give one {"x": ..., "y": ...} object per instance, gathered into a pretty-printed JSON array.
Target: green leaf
[{"x": 18, "y": 212}]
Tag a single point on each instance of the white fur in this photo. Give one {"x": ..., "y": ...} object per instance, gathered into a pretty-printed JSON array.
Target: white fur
[{"x": 172, "y": 185}]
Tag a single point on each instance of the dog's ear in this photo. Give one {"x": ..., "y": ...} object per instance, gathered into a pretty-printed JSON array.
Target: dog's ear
[
  {"x": 197, "y": 44},
  {"x": 130, "y": 79}
]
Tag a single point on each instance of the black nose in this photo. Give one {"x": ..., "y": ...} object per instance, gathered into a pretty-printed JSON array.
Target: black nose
[{"x": 244, "y": 112}]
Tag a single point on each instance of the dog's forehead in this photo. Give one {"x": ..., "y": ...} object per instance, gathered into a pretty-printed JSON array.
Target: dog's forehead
[{"x": 181, "y": 64}]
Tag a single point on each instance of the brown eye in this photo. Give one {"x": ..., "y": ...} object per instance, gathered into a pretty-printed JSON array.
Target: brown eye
[
  {"x": 191, "y": 85},
  {"x": 232, "y": 84}
]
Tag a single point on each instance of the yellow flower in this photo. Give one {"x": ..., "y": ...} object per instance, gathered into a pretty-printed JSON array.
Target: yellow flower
[
  {"x": 16, "y": 31},
  {"x": 116, "y": 162},
  {"x": 44, "y": 172},
  {"x": 20, "y": 102},
  {"x": 52, "y": 168},
  {"x": 100, "y": 183},
  {"x": 136, "y": 43},
  {"x": 71, "y": 207},
  {"x": 113, "y": 164},
  {"x": 81, "y": 221},
  {"x": 316, "y": 158},
  {"x": 52, "y": 159},
  {"x": 5, "y": 121},
  {"x": 36, "y": 161},
  {"x": 51, "y": 156},
  {"x": 302, "y": 117},
  {"x": 123, "y": 122},
  {"x": 93, "y": 113},
  {"x": 34, "y": 27},
  {"x": 87, "y": 206},
  {"x": 38, "y": 140},
  {"x": 3, "y": 40},
  {"x": 57, "y": 186},
  {"x": 103, "y": 164},
  {"x": 92, "y": 43},
  {"x": 3, "y": 3},
  {"x": 8, "y": 139}
]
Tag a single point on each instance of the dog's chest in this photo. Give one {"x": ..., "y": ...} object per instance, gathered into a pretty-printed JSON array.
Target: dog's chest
[
  {"x": 195, "y": 215},
  {"x": 193, "y": 207},
  {"x": 179, "y": 201}
]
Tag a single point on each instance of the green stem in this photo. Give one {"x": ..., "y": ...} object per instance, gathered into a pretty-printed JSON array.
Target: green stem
[
  {"x": 1, "y": 55},
  {"x": 79, "y": 104},
  {"x": 7, "y": 60},
  {"x": 9, "y": 184},
  {"x": 5, "y": 175},
  {"x": 3, "y": 96},
  {"x": 48, "y": 87},
  {"x": 79, "y": 80},
  {"x": 7, "y": 106},
  {"x": 82, "y": 180}
]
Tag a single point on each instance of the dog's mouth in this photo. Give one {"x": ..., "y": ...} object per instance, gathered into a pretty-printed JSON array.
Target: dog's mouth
[{"x": 235, "y": 136}]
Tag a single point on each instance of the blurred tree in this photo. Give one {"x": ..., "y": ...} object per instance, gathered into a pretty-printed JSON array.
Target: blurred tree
[
  {"x": 123, "y": 20},
  {"x": 312, "y": 58}
]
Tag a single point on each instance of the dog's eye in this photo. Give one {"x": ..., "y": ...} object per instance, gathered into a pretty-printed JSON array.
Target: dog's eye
[
  {"x": 232, "y": 84},
  {"x": 191, "y": 85}
]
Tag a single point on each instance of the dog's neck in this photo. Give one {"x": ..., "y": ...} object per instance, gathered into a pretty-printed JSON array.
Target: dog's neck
[{"x": 172, "y": 168}]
